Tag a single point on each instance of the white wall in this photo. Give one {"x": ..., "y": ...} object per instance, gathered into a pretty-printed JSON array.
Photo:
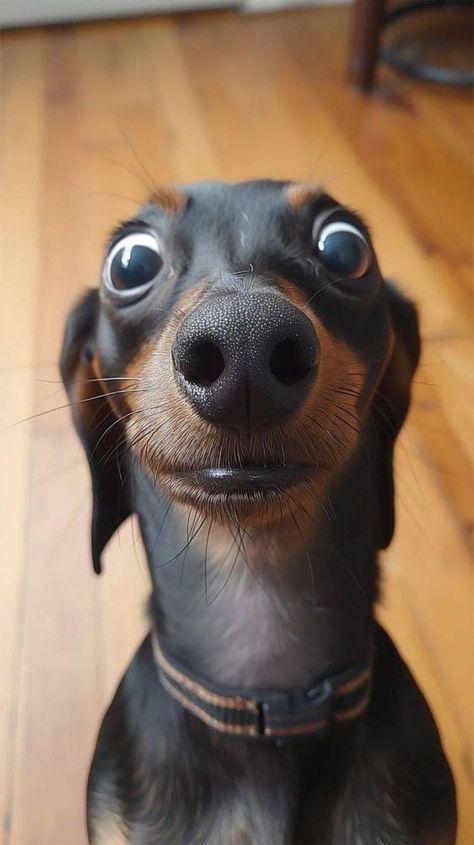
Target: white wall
[{"x": 23, "y": 12}]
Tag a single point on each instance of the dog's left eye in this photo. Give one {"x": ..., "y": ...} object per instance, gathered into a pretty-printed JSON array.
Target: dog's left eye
[
  {"x": 343, "y": 249},
  {"x": 132, "y": 265}
]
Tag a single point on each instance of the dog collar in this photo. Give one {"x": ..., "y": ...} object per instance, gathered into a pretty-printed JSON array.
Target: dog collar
[{"x": 268, "y": 714}]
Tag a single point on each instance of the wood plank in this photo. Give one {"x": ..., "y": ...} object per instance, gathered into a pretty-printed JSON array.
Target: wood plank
[
  {"x": 398, "y": 618},
  {"x": 94, "y": 115},
  {"x": 430, "y": 566},
  {"x": 443, "y": 419},
  {"x": 20, "y": 162},
  {"x": 56, "y": 661},
  {"x": 59, "y": 706}
]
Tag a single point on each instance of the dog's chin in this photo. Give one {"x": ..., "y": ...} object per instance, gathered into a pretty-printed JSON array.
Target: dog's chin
[{"x": 255, "y": 495}]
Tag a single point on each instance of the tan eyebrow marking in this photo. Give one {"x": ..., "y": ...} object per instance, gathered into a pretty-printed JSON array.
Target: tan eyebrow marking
[
  {"x": 170, "y": 199},
  {"x": 302, "y": 192}
]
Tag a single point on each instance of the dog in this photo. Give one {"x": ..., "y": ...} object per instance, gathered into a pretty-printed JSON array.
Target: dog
[{"x": 238, "y": 381}]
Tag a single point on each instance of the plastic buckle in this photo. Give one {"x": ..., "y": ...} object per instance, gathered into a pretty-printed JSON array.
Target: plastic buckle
[{"x": 292, "y": 713}]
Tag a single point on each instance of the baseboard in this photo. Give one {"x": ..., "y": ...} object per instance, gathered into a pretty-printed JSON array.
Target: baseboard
[{"x": 274, "y": 5}]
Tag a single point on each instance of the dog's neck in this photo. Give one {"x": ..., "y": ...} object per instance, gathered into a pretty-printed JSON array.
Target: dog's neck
[{"x": 274, "y": 608}]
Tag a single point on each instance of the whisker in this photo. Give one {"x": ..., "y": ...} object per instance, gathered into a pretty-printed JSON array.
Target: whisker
[
  {"x": 109, "y": 428},
  {"x": 205, "y": 560},
  {"x": 66, "y": 528},
  {"x": 57, "y": 474},
  {"x": 321, "y": 290},
  {"x": 183, "y": 562},
  {"x": 152, "y": 182},
  {"x": 185, "y": 547},
  {"x": 240, "y": 530},
  {"x": 127, "y": 168},
  {"x": 349, "y": 570},
  {"x": 113, "y": 378},
  {"x": 339, "y": 554},
  {"x": 136, "y": 202},
  {"x": 308, "y": 556},
  {"x": 170, "y": 505},
  {"x": 229, "y": 575},
  {"x": 74, "y": 404}
]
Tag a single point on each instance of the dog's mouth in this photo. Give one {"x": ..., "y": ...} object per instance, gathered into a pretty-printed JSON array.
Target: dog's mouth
[
  {"x": 245, "y": 480},
  {"x": 244, "y": 492}
]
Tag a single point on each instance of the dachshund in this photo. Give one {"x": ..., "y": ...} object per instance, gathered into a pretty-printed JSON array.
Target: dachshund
[{"x": 238, "y": 380}]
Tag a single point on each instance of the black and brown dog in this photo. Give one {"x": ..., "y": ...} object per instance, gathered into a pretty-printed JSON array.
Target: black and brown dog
[{"x": 238, "y": 381}]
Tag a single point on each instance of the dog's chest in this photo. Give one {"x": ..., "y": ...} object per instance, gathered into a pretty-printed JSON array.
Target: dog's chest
[
  {"x": 252, "y": 814},
  {"x": 256, "y": 807}
]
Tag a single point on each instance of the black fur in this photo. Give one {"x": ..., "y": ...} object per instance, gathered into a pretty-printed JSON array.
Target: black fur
[{"x": 161, "y": 776}]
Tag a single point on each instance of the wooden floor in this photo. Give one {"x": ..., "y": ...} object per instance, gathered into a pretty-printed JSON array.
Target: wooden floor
[{"x": 211, "y": 96}]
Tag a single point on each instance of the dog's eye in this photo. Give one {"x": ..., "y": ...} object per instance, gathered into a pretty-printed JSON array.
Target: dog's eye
[
  {"x": 344, "y": 250},
  {"x": 132, "y": 265}
]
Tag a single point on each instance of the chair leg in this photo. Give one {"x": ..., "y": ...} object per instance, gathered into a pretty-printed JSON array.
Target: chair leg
[{"x": 367, "y": 20}]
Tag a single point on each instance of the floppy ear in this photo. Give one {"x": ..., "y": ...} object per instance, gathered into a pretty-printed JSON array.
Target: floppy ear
[
  {"x": 101, "y": 434},
  {"x": 391, "y": 402}
]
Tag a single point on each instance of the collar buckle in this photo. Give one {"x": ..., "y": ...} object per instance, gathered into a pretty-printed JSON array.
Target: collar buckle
[{"x": 284, "y": 714}]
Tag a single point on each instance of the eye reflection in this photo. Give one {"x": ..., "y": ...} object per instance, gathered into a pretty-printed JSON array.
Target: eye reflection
[
  {"x": 133, "y": 264},
  {"x": 343, "y": 250}
]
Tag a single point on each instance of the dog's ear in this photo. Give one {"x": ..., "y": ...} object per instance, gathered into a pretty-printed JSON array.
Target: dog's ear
[
  {"x": 101, "y": 433},
  {"x": 391, "y": 403}
]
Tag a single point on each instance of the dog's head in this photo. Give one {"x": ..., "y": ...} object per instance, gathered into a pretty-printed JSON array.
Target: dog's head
[{"x": 240, "y": 344}]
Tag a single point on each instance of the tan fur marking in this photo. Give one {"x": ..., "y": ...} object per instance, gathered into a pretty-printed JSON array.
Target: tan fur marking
[
  {"x": 107, "y": 831},
  {"x": 337, "y": 358},
  {"x": 84, "y": 384},
  {"x": 302, "y": 192},
  {"x": 89, "y": 395},
  {"x": 170, "y": 199}
]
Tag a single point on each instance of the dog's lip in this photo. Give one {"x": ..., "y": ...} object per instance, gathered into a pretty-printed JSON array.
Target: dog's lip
[{"x": 245, "y": 479}]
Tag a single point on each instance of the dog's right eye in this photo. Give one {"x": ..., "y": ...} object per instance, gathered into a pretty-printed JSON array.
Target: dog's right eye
[{"x": 132, "y": 265}]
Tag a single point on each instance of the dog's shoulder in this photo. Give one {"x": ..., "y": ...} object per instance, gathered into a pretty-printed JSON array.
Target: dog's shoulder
[
  {"x": 399, "y": 785},
  {"x": 159, "y": 776},
  {"x": 134, "y": 742}
]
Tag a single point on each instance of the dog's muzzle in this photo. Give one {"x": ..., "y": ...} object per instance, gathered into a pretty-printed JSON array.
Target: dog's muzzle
[{"x": 246, "y": 361}]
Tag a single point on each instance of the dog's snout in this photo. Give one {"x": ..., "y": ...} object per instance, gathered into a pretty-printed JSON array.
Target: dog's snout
[{"x": 246, "y": 360}]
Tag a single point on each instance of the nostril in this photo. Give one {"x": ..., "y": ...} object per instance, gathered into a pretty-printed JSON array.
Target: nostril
[
  {"x": 203, "y": 364},
  {"x": 288, "y": 361}
]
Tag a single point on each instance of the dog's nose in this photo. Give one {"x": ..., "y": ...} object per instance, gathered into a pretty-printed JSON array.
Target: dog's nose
[{"x": 246, "y": 361}]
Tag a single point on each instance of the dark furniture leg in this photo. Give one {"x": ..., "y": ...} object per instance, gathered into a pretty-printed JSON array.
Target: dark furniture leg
[{"x": 367, "y": 20}]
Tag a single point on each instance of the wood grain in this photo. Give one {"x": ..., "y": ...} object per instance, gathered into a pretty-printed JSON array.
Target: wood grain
[{"x": 93, "y": 116}]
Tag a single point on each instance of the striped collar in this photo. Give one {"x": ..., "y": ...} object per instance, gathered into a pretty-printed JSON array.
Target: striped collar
[{"x": 269, "y": 714}]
